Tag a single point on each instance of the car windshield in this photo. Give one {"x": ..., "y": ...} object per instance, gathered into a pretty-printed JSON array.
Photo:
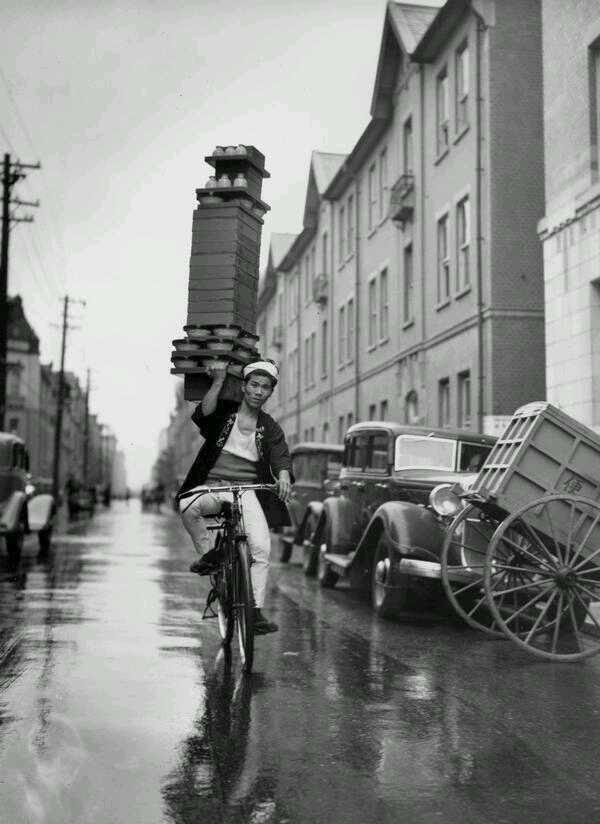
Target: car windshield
[{"x": 424, "y": 453}]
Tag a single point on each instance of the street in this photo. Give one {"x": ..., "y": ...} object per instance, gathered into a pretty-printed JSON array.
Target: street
[{"x": 116, "y": 706}]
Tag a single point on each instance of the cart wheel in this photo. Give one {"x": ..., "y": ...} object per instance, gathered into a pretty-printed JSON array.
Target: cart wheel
[
  {"x": 542, "y": 577},
  {"x": 463, "y": 568}
]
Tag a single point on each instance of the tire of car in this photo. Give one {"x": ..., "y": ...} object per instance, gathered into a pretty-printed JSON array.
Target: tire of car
[
  {"x": 328, "y": 578},
  {"x": 310, "y": 556},
  {"x": 389, "y": 590}
]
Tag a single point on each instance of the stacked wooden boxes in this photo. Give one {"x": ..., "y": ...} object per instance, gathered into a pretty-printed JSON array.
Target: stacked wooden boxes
[{"x": 223, "y": 282}]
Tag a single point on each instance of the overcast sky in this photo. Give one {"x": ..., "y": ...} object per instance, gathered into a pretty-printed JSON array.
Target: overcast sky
[{"x": 121, "y": 101}]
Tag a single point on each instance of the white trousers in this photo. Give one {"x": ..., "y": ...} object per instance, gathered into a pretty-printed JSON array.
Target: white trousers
[{"x": 255, "y": 527}]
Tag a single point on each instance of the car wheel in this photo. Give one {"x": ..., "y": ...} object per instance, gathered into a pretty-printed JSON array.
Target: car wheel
[
  {"x": 285, "y": 550},
  {"x": 310, "y": 557},
  {"x": 389, "y": 590},
  {"x": 14, "y": 545}
]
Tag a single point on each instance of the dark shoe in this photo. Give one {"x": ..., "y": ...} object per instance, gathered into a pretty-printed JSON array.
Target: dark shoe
[
  {"x": 261, "y": 625},
  {"x": 207, "y": 564}
]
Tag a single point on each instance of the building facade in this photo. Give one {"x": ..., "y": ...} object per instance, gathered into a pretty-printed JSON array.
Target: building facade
[
  {"x": 415, "y": 290},
  {"x": 570, "y": 228}
]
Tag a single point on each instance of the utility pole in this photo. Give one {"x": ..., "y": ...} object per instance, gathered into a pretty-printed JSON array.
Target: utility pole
[
  {"x": 86, "y": 432},
  {"x": 11, "y": 173},
  {"x": 60, "y": 403}
]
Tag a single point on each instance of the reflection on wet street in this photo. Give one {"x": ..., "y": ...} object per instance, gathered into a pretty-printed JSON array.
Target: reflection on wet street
[{"x": 117, "y": 705}]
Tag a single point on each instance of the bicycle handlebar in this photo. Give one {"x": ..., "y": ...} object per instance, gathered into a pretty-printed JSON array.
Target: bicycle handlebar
[{"x": 205, "y": 490}]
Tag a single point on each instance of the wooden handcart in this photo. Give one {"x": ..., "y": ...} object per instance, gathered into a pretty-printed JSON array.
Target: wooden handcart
[{"x": 522, "y": 558}]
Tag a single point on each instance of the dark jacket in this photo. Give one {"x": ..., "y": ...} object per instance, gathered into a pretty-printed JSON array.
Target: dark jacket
[{"x": 273, "y": 454}]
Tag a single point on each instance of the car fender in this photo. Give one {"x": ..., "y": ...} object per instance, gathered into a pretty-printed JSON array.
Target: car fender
[
  {"x": 14, "y": 511},
  {"x": 411, "y": 531},
  {"x": 40, "y": 511},
  {"x": 336, "y": 515},
  {"x": 313, "y": 508}
]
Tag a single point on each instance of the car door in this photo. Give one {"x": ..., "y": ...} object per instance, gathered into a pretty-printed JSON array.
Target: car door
[
  {"x": 377, "y": 473},
  {"x": 352, "y": 482}
]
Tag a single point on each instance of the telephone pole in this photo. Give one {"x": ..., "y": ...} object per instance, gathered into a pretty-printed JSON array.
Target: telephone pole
[
  {"x": 60, "y": 403},
  {"x": 86, "y": 432},
  {"x": 11, "y": 173}
]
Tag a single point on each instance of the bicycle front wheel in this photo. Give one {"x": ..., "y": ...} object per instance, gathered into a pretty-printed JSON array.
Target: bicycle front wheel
[
  {"x": 224, "y": 585},
  {"x": 244, "y": 607}
]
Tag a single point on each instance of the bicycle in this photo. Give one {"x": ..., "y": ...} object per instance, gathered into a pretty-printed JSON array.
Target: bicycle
[{"x": 231, "y": 581}]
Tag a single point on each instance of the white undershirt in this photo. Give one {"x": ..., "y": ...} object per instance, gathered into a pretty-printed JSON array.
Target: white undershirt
[{"x": 244, "y": 446}]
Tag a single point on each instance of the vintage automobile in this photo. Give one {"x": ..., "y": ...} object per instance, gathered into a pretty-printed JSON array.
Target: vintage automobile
[
  {"x": 22, "y": 509},
  {"x": 380, "y": 531},
  {"x": 316, "y": 468}
]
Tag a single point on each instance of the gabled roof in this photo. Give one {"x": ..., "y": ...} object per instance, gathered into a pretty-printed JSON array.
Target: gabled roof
[
  {"x": 323, "y": 168},
  {"x": 278, "y": 248},
  {"x": 438, "y": 33},
  {"x": 404, "y": 26}
]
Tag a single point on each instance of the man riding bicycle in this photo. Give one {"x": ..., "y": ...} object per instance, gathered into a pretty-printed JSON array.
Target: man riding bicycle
[{"x": 242, "y": 445}]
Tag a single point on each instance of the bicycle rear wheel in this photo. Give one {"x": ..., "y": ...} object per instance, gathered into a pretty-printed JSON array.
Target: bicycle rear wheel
[{"x": 244, "y": 606}]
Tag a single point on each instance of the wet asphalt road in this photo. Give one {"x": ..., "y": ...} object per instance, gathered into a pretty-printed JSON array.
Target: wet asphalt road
[{"x": 117, "y": 708}]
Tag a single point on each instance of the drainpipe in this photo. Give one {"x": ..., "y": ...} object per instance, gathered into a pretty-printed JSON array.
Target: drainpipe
[
  {"x": 479, "y": 242},
  {"x": 357, "y": 306},
  {"x": 330, "y": 353},
  {"x": 299, "y": 355},
  {"x": 423, "y": 232}
]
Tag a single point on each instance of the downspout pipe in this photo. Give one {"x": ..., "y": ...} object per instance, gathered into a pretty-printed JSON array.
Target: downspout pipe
[
  {"x": 357, "y": 306},
  {"x": 479, "y": 241}
]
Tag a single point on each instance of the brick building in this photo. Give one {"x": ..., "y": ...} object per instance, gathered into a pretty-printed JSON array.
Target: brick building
[
  {"x": 570, "y": 228},
  {"x": 414, "y": 291}
]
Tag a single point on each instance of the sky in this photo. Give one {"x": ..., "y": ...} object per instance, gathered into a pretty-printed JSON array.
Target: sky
[{"x": 120, "y": 102}]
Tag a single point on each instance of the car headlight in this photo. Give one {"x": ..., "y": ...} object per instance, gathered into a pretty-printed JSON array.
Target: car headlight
[
  {"x": 29, "y": 489},
  {"x": 444, "y": 500}
]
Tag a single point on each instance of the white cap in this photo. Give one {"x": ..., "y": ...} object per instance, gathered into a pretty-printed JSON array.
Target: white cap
[{"x": 261, "y": 366}]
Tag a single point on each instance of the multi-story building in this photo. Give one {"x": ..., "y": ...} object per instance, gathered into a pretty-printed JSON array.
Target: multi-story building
[
  {"x": 570, "y": 228},
  {"x": 415, "y": 289}
]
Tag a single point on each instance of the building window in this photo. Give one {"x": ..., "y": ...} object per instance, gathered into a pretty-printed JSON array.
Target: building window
[
  {"x": 325, "y": 435},
  {"x": 341, "y": 334},
  {"x": 324, "y": 349},
  {"x": 383, "y": 306},
  {"x": 444, "y": 402},
  {"x": 341, "y": 429},
  {"x": 594, "y": 86},
  {"x": 350, "y": 216},
  {"x": 313, "y": 357},
  {"x": 372, "y": 195},
  {"x": 372, "y": 411},
  {"x": 463, "y": 237},
  {"x": 442, "y": 111},
  {"x": 407, "y": 147},
  {"x": 383, "y": 184},
  {"x": 312, "y": 433},
  {"x": 464, "y": 400},
  {"x": 324, "y": 254},
  {"x": 306, "y": 279},
  {"x": 13, "y": 425},
  {"x": 411, "y": 408},
  {"x": 342, "y": 235},
  {"x": 372, "y": 312},
  {"x": 350, "y": 330},
  {"x": 408, "y": 284},
  {"x": 443, "y": 284},
  {"x": 383, "y": 410},
  {"x": 462, "y": 87},
  {"x": 313, "y": 270},
  {"x": 349, "y": 420}
]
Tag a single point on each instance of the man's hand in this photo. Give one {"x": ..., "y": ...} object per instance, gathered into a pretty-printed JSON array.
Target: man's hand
[
  {"x": 284, "y": 485},
  {"x": 217, "y": 373}
]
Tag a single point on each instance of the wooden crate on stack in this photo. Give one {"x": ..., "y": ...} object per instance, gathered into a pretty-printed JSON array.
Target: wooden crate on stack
[{"x": 223, "y": 277}]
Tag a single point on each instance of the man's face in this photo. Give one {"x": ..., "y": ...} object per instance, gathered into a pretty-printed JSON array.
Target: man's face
[{"x": 256, "y": 390}]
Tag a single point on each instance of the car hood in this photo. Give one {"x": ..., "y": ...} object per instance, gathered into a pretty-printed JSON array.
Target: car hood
[{"x": 433, "y": 477}]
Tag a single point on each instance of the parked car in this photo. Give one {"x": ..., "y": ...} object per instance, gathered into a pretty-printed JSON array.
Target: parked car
[
  {"x": 22, "y": 509},
  {"x": 380, "y": 530},
  {"x": 316, "y": 468}
]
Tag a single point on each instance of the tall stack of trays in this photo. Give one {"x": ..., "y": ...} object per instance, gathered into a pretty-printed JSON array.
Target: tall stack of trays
[{"x": 223, "y": 282}]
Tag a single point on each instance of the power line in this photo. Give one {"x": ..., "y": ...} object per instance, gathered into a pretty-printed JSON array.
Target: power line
[{"x": 18, "y": 113}]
